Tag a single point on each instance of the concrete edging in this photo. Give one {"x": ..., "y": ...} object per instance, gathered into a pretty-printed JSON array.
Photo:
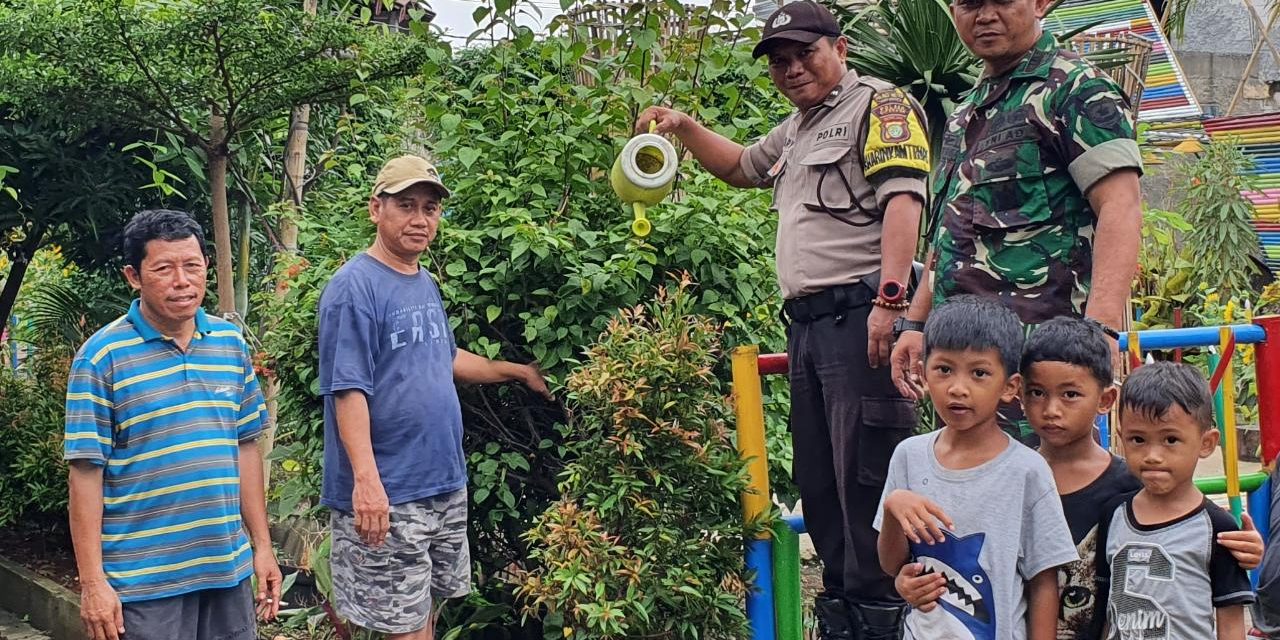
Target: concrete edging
[{"x": 47, "y": 605}]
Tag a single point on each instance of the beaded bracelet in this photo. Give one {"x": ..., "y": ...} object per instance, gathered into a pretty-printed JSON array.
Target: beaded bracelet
[{"x": 892, "y": 306}]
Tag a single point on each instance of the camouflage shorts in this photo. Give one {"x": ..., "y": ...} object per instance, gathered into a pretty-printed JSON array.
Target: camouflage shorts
[{"x": 391, "y": 588}]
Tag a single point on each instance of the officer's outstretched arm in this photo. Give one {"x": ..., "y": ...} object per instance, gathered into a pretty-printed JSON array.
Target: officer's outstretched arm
[{"x": 718, "y": 154}]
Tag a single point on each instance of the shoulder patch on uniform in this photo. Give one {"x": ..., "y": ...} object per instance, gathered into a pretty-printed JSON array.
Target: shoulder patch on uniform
[
  {"x": 895, "y": 134},
  {"x": 1104, "y": 111},
  {"x": 891, "y": 109}
]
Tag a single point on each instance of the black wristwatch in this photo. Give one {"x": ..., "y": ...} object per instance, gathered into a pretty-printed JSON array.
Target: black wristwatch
[{"x": 903, "y": 324}]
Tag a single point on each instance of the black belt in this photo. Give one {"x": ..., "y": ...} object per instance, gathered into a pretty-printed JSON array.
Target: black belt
[{"x": 834, "y": 301}]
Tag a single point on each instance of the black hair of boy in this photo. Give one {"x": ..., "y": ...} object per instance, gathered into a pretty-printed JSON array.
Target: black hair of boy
[
  {"x": 158, "y": 224},
  {"x": 970, "y": 323},
  {"x": 1074, "y": 341},
  {"x": 1155, "y": 388}
]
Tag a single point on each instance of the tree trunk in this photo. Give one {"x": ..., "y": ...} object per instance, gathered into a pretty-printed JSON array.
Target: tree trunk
[
  {"x": 22, "y": 256},
  {"x": 242, "y": 277},
  {"x": 219, "y": 155},
  {"x": 12, "y": 283},
  {"x": 295, "y": 162},
  {"x": 295, "y": 168}
]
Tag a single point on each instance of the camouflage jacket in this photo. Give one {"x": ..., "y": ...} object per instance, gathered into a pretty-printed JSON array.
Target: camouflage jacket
[{"x": 1009, "y": 217}]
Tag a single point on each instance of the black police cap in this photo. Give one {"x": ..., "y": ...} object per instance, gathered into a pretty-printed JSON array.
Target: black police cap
[{"x": 802, "y": 22}]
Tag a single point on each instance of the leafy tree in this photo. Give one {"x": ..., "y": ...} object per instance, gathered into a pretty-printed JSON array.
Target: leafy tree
[
  {"x": 202, "y": 72},
  {"x": 72, "y": 188}
]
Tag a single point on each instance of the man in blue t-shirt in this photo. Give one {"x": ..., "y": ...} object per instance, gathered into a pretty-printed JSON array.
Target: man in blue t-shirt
[{"x": 394, "y": 475}]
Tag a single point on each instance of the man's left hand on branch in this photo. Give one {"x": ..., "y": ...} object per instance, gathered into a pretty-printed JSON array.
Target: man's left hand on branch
[{"x": 531, "y": 376}]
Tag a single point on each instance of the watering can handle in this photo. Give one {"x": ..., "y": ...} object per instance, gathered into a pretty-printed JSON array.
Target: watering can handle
[{"x": 653, "y": 126}]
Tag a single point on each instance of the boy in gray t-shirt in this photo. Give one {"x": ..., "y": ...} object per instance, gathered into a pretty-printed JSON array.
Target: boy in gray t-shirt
[
  {"x": 1170, "y": 577},
  {"x": 970, "y": 520}
]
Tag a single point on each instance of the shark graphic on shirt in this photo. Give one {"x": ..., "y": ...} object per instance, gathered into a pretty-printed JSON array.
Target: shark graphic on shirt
[{"x": 967, "y": 609}]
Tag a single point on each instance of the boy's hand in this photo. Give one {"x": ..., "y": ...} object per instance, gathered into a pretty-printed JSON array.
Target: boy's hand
[
  {"x": 1245, "y": 545},
  {"x": 920, "y": 591},
  {"x": 920, "y": 518},
  {"x": 908, "y": 365}
]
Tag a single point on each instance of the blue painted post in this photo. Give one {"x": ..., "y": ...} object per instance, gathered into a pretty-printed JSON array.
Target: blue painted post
[
  {"x": 795, "y": 522},
  {"x": 760, "y": 591},
  {"x": 1160, "y": 339},
  {"x": 1104, "y": 431},
  {"x": 1260, "y": 511}
]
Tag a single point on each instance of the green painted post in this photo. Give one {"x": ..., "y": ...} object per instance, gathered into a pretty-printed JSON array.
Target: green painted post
[
  {"x": 1218, "y": 415},
  {"x": 786, "y": 582}
]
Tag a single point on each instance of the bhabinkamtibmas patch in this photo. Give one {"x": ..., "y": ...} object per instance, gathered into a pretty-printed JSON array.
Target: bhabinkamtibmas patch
[{"x": 895, "y": 136}]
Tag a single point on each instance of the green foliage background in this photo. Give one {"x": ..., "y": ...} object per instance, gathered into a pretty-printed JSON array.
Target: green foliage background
[{"x": 534, "y": 254}]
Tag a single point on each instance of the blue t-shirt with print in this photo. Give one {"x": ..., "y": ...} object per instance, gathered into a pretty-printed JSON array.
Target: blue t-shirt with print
[{"x": 385, "y": 334}]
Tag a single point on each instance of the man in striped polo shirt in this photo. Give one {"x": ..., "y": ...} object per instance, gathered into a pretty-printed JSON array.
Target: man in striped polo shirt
[{"x": 163, "y": 415}]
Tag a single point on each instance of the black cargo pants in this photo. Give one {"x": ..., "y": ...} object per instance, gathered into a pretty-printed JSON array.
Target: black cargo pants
[{"x": 846, "y": 420}]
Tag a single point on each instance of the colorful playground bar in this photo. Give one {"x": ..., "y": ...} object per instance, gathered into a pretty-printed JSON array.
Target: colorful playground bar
[{"x": 774, "y": 605}]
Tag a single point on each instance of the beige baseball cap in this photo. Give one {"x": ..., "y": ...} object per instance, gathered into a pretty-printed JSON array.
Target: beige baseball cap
[{"x": 401, "y": 173}]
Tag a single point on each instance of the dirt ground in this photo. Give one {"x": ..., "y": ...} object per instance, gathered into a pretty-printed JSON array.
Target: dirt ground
[{"x": 47, "y": 553}]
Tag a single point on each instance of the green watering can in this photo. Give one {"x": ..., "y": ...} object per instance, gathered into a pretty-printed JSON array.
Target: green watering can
[{"x": 643, "y": 174}]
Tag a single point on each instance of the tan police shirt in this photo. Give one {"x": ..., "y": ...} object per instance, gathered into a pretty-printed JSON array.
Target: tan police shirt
[{"x": 833, "y": 170}]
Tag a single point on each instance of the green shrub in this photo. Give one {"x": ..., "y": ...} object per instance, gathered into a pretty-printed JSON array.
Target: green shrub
[
  {"x": 646, "y": 538},
  {"x": 33, "y": 476}
]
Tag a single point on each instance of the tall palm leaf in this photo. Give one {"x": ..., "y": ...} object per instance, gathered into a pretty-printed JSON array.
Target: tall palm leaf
[
  {"x": 61, "y": 314},
  {"x": 912, "y": 44}
]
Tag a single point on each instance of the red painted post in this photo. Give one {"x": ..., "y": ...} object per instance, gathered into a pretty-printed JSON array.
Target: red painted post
[
  {"x": 1177, "y": 324},
  {"x": 771, "y": 363},
  {"x": 1267, "y": 366}
]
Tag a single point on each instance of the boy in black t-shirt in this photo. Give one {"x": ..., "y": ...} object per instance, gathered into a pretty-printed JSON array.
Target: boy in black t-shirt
[
  {"x": 1067, "y": 374},
  {"x": 1168, "y": 577}
]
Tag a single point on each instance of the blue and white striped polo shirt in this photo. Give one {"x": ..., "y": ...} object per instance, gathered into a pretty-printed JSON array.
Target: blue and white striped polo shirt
[{"x": 167, "y": 426}]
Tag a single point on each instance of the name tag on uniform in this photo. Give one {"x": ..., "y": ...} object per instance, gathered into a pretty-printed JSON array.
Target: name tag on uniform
[{"x": 837, "y": 132}]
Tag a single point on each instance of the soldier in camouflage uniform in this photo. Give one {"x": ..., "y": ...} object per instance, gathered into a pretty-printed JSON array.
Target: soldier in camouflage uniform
[
  {"x": 394, "y": 477},
  {"x": 1035, "y": 198}
]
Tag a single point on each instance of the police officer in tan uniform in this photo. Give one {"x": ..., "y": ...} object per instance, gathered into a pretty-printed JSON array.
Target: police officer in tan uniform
[{"x": 848, "y": 173}]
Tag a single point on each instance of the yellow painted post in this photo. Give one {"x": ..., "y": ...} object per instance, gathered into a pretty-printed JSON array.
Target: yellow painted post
[
  {"x": 748, "y": 403},
  {"x": 1230, "y": 452},
  {"x": 1135, "y": 351}
]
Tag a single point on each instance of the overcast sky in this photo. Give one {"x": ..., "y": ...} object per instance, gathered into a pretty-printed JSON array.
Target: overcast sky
[{"x": 454, "y": 16}]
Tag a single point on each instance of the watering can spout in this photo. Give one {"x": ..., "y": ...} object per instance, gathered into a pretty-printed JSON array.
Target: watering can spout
[
  {"x": 640, "y": 226},
  {"x": 643, "y": 174}
]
